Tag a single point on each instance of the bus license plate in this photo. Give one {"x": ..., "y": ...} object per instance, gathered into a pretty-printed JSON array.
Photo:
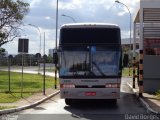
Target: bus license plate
[{"x": 90, "y": 93}]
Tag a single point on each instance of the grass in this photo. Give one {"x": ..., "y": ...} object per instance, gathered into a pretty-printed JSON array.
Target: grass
[
  {"x": 158, "y": 94},
  {"x": 126, "y": 72},
  {"x": 31, "y": 83}
]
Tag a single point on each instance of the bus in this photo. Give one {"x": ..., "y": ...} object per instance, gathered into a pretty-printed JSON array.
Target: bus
[{"x": 90, "y": 61}]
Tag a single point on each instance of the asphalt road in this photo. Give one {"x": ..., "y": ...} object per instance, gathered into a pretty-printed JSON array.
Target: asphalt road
[{"x": 56, "y": 109}]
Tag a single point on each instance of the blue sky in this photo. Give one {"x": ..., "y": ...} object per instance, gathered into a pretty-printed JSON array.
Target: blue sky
[{"x": 43, "y": 13}]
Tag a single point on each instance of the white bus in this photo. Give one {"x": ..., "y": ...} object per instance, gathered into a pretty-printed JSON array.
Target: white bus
[{"x": 90, "y": 61}]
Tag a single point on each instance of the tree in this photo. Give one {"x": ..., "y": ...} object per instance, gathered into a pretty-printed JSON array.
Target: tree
[
  {"x": 12, "y": 13},
  {"x": 2, "y": 51},
  {"x": 49, "y": 59}
]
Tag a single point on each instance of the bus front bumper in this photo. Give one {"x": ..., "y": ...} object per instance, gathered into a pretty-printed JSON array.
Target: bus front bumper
[{"x": 90, "y": 93}]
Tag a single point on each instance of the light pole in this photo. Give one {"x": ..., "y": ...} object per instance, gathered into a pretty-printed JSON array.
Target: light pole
[
  {"x": 130, "y": 41},
  {"x": 130, "y": 18},
  {"x": 56, "y": 23},
  {"x": 39, "y": 44},
  {"x": 69, "y": 17},
  {"x": 39, "y": 36},
  {"x": 130, "y": 27},
  {"x": 56, "y": 43}
]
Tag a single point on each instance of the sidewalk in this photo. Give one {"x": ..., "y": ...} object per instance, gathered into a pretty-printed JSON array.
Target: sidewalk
[
  {"x": 29, "y": 102},
  {"x": 150, "y": 101}
]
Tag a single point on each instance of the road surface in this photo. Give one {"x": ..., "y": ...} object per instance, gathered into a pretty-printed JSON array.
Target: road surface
[{"x": 56, "y": 109}]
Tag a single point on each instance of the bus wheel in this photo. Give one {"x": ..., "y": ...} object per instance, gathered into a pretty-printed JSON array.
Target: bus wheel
[
  {"x": 68, "y": 101},
  {"x": 114, "y": 101}
]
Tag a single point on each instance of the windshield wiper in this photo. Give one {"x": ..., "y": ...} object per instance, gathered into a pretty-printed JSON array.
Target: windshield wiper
[
  {"x": 98, "y": 68},
  {"x": 64, "y": 58}
]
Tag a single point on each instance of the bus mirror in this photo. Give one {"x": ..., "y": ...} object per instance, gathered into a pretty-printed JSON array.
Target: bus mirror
[
  {"x": 55, "y": 58},
  {"x": 125, "y": 60},
  {"x": 93, "y": 49}
]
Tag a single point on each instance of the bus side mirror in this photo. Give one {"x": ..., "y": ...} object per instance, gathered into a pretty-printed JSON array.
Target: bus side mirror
[
  {"x": 125, "y": 60},
  {"x": 55, "y": 58}
]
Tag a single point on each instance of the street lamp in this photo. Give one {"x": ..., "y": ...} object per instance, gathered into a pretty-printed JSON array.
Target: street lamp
[
  {"x": 69, "y": 17},
  {"x": 130, "y": 18},
  {"x": 39, "y": 44},
  {"x": 39, "y": 36},
  {"x": 130, "y": 35}
]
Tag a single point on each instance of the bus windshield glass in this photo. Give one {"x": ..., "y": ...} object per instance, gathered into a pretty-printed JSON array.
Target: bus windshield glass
[
  {"x": 91, "y": 63},
  {"x": 90, "y": 52}
]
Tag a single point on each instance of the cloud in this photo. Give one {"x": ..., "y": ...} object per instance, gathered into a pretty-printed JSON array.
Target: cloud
[
  {"x": 121, "y": 13},
  {"x": 127, "y": 4},
  {"x": 67, "y": 4},
  {"x": 33, "y": 3},
  {"x": 43, "y": 13}
]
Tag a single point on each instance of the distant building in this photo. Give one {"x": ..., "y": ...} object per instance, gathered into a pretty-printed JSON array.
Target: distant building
[
  {"x": 126, "y": 44},
  {"x": 51, "y": 51}
]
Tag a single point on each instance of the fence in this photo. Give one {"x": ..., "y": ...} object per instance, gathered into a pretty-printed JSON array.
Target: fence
[{"x": 15, "y": 78}]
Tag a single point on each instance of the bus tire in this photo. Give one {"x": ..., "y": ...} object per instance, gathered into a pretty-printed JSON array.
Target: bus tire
[
  {"x": 114, "y": 101},
  {"x": 68, "y": 101}
]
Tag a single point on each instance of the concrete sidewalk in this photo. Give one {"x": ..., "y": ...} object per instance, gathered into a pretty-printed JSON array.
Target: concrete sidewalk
[
  {"x": 30, "y": 102},
  {"x": 150, "y": 101}
]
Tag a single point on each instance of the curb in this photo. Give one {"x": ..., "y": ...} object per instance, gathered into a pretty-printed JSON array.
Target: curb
[
  {"x": 12, "y": 110},
  {"x": 144, "y": 103}
]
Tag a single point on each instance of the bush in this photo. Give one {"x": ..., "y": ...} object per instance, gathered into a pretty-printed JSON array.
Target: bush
[{"x": 158, "y": 93}]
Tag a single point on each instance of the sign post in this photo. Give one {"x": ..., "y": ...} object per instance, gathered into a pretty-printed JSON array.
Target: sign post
[
  {"x": 22, "y": 48},
  {"x": 9, "y": 72}
]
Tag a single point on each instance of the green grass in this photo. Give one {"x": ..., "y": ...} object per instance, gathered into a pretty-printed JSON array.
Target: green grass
[
  {"x": 31, "y": 83},
  {"x": 12, "y": 97},
  {"x": 158, "y": 94},
  {"x": 125, "y": 72}
]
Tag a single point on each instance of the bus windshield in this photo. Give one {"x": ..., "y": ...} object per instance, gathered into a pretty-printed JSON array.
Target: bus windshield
[
  {"x": 91, "y": 63},
  {"x": 90, "y": 51}
]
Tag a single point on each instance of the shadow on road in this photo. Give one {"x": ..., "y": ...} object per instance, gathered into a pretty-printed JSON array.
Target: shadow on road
[
  {"x": 94, "y": 110},
  {"x": 93, "y": 104},
  {"x": 106, "y": 109}
]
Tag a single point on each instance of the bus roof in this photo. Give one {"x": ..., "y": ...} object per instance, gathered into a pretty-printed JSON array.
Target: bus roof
[
  {"x": 90, "y": 33},
  {"x": 90, "y": 25}
]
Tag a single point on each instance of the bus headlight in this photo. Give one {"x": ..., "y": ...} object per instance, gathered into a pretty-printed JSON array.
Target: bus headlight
[
  {"x": 67, "y": 86},
  {"x": 112, "y": 85}
]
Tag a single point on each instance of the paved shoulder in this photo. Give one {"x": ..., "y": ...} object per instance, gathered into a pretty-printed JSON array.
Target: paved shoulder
[{"x": 151, "y": 102}]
